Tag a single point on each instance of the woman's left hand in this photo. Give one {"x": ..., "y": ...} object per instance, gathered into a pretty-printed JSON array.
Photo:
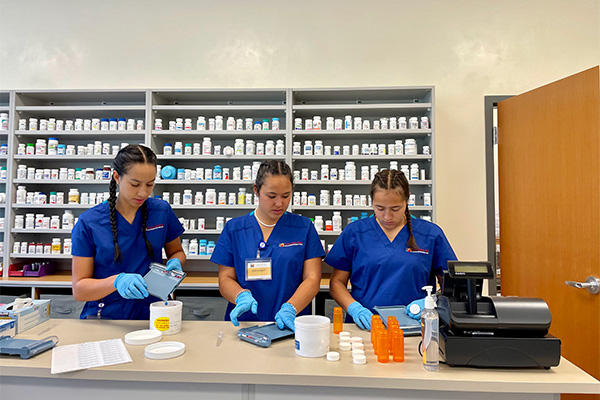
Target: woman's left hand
[{"x": 285, "y": 317}]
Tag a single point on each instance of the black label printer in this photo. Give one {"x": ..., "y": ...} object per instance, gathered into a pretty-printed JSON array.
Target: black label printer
[{"x": 497, "y": 332}]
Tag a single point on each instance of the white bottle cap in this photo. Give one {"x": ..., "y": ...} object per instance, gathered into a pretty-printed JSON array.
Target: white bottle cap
[
  {"x": 357, "y": 339},
  {"x": 358, "y": 353},
  {"x": 333, "y": 356},
  {"x": 345, "y": 339},
  {"x": 359, "y": 359},
  {"x": 357, "y": 346},
  {"x": 345, "y": 346}
]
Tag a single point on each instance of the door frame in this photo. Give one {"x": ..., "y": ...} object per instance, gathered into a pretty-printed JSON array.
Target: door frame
[{"x": 491, "y": 103}]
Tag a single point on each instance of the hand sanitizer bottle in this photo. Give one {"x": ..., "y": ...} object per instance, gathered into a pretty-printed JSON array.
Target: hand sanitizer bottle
[{"x": 430, "y": 334}]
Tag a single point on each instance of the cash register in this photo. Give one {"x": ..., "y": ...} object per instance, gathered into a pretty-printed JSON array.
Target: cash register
[{"x": 493, "y": 332}]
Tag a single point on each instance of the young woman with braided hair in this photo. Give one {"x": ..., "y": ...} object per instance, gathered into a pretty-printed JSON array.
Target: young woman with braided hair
[
  {"x": 269, "y": 260},
  {"x": 115, "y": 241},
  {"x": 389, "y": 257}
]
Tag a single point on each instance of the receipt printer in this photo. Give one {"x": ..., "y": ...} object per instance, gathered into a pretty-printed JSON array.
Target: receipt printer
[{"x": 501, "y": 332}]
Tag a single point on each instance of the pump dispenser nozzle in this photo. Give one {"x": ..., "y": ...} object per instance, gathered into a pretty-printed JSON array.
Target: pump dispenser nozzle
[{"x": 430, "y": 299}]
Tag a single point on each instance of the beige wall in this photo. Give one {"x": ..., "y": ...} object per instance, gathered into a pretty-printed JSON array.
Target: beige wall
[{"x": 466, "y": 48}]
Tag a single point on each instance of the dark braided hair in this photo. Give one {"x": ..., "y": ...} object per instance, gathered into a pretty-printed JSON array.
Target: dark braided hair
[
  {"x": 126, "y": 157},
  {"x": 393, "y": 179},
  {"x": 272, "y": 167}
]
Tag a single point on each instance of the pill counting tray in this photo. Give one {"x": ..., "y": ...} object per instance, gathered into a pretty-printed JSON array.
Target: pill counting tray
[
  {"x": 161, "y": 282},
  {"x": 411, "y": 327}
]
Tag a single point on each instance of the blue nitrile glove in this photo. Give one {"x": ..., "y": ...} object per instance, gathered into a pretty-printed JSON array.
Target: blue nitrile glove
[
  {"x": 360, "y": 315},
  {"x": 244, "y": 302},
  {"x": 131, "y": 286},
  {"x": 174, "y": 263},
  {"x": 285, "y": 317},
  {"x": 414, "y": 309}
]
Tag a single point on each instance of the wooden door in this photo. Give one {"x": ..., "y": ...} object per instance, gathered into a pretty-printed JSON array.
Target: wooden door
[{"x": 549, "y": 194}]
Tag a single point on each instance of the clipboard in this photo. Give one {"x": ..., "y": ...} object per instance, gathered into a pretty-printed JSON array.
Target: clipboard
[{"x": 161, "y": 282}]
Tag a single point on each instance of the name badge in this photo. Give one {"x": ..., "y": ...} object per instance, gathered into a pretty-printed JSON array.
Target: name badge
[{"x": 258, "y": 269}]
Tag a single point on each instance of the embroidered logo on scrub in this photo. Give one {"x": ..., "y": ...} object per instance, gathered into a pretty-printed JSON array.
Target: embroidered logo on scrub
[
  {"x": 152, "y": 228},
  {"x": 419, "y": 251},
  {"x": 290, "y": 244}
]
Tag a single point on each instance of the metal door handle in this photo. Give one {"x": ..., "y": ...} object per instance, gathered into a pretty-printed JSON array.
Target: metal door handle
[{"x": 592, "y": 284}]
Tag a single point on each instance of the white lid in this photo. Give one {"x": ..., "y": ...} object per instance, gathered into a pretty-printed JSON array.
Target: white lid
[
  {"x": 144, "y": 336},
  {"x": 358, "y": 346},
  {"x": 345, "y": 346},
  {"x": 359, "y": 359},
  {"x": 357, "y": 339},
  {"x": 358, "y": 353},
  {"x": 164, "y": 350},
  {"x": 333, "y": 356}
]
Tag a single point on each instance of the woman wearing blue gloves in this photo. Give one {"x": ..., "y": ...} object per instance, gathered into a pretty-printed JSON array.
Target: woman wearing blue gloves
[
  {"x": 388, "y": 258},
  {"x": 115, "y": 242},
  {"x": 269, "y": 260}
]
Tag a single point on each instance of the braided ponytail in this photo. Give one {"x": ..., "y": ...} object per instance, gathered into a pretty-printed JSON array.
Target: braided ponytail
[
  {"x": 112, "y": 200},
  {"x": 149, "y": 249},
  {"x": 388, "y": 179},
  {"x": 126, "y": 157}
]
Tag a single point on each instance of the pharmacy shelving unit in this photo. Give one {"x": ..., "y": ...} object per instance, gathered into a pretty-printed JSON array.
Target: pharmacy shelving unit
[
  {"x": 4, "y": 139},
  {"x": 64, "y": 105},
  {"x": 369, "y": 104},
  {"x": 258, "y": 104}
]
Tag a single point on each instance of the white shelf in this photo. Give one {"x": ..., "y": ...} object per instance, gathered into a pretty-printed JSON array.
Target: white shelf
[
  {"x": 222, "y": 109},
  {"x": 3, "y": 157},
  {"x": 220, "y": 157},
  {"x": 46, "y": 256},
  {"x": 353, "y": 208},
  {"x": 361, "y": 157},
  {"x": 329, "y": 233},
  {"x": 60, "y": 206},
  {"x": 215, "y": 207},
  {"x": 64, "y": 158},
  {"x": 77, "y": 109},
  {"x": 197, "y": 258},
  {"x": 202, "y": 182},
  {"x": 358, "y": 107},
  {"x": 203, "y": 232},
  {"x": 82, "y": 134},
  {"x": 61, "y": 182},
  {"x": 57, "y": 231},
  {"x": 353, "y": 183},
  {"x": 363, "y": 133},
  {"x": 334, "y": 208},
  {"x": 167, "y": 133}
]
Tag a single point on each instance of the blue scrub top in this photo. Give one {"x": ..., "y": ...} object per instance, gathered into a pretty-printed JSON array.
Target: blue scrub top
[
  {"x": 92, "y": 237},
  {"x": 292, "y": 241},
  {"x": 384, "y": 273}
]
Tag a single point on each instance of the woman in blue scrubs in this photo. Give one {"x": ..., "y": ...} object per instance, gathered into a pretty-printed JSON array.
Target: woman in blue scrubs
[
  {"x": 388, "y": 257},
  {"x": 115, "y": 241},
  {"x": 269, "y": 260}
]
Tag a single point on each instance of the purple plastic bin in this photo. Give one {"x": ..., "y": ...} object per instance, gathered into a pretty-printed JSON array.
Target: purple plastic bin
[{"x": 46, "y": 268}]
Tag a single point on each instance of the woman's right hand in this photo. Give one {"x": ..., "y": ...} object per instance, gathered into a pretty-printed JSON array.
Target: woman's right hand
[
  {"x": 360, "y": 315},
  {"x": 131, "y": 286},
  {"x": 244, "y": 303}
]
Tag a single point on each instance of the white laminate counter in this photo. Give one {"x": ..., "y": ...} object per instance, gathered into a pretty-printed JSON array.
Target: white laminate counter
[{"x": 239, "y": 370}]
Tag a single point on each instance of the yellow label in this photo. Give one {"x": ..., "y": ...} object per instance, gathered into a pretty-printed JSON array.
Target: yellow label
[
  {"x": 259, "y": 271},
  {"x": 162, "y": 323}
]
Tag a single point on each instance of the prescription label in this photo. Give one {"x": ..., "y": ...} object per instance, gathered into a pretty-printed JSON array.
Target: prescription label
[{"x": 162, "y": 323}]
